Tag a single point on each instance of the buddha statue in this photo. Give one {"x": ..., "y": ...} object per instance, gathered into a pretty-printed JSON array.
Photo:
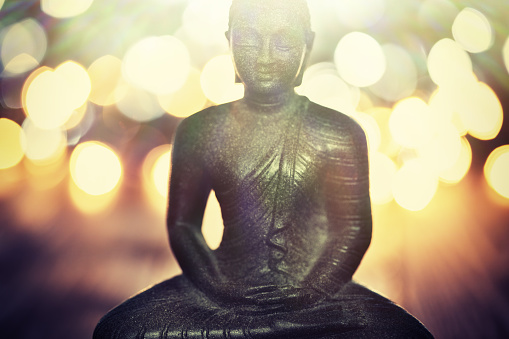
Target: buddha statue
[{"x": 291, "y": 178}]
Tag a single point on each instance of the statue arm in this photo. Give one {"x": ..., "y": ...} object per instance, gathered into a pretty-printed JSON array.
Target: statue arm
[
  {"x": 189, "y": 190},
  {"x": 348, "y": 209}
]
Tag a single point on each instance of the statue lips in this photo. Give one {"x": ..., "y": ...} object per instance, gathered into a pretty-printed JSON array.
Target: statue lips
[
  {"x": 265, "y": 76},
  {"x": 266, "y": 73}
]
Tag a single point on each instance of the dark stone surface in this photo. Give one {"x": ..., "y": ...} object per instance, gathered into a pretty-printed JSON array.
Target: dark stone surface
[{"x": 292, "y": 181}]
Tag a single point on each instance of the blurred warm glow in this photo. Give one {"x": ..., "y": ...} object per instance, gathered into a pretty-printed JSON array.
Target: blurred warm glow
[
  {"x": 410, "y": 122},
  {"x": 443, "y": 105},
  {"x": 472, "y": 30},
  {"x": 23, "y": 46},
  {"x": 387, "y": 144},
  {"x": 105, "y": 75},
  {"x": 29, "y": 80},
  {"x": 505, "y": 53},
  {"x": 438, "y": 13},
  {"x": 326, "y": 88},
  {"x": 218, "y": 80},
  {"x": 371, "y": 129},
  {"x": 381, "y": 175},
  {"x": 205, "y": 22},
  {"x": 359, "y": 14},
  {"x": 159, "y": 65},
  {"x": 443, "y": 149},
  {"x": 455, "y": 173},
  {"x": 365, "y": 102},
  {"x": 325, "y": 67},
  {"x": 87, "y": 116},
  {"x": 10, "y": 97},
  {"x": 414, "y": 185},
  {"x": 138, "y": 104},
  {"x": 496, "y": 170},
  {"x": 46, "y": 175},
  {"x": 481, "y": 111},
  {"x": 10, "y": 143},
  {"x": 121, "y": 126},
  {"x": 400, "y": 78},
  {"x": 161, "y": 173},
  {"x": 359, "y": 59},
  {"x": 187, "y": 100},
  {"x": 76, "y": 117},
  {"x": 36, "y": 210},
  {"x": 449, "y": 64},
  {"x": 11, "y": 180},
  {"x": 95, "y": 168},
  {"x": 91, "y": 204},
  {"x": 21, "y": 63},
  {"x": 78, "y": 80},
  {"x": 52, "y": 96},
  {"x": 43, "y": 145},
  {"x": 212, "y": 226},
  {"x": 65, "y": 8},
  {"x": 1, "y": 3},
  {"x": 156, "y": 174}
]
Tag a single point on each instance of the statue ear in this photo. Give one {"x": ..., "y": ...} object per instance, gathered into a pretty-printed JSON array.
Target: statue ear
[
  {"x": 300, "y": 76},
  {"x": 227, "y": 35},
  {"x": 309, "y": 44}
]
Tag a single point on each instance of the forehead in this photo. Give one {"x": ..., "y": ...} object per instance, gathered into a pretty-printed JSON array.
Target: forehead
[{"x": 267, "y": 19}]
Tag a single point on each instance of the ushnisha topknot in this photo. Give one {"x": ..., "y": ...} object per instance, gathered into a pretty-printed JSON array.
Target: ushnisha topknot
[{"x": 298, "y": 7}]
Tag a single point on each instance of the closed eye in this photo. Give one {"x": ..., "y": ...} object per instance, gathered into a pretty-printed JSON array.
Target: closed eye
[
  {"x": 285, "y": 41},
  {"x": 246, "y": 45},
  {"x": 245, "y": 38},
  {"x": 284, "y": 48}
]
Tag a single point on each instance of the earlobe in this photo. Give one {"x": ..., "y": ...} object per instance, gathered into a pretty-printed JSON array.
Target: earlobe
[
  {"x": 300, "y": 76},
  {"x": 310, "y": 38},
  {"x": 237, "y": 78},
  {"x": 303, "y": 66}
]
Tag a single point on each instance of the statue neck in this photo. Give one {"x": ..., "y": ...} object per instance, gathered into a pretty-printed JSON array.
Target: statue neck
[{"x": 271, "y": 104}]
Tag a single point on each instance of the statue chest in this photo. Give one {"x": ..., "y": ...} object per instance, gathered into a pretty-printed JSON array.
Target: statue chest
[{"x": 267, "y": 162}]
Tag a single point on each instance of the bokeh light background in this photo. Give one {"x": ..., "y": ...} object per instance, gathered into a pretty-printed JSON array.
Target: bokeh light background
[{"x": 91, "y": 93}]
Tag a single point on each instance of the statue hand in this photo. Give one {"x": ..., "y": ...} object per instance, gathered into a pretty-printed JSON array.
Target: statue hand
[
  {"x": 225, "y": 292},
  {"x": 263, "y": 299},
  {"x": 283, "y": 297}
]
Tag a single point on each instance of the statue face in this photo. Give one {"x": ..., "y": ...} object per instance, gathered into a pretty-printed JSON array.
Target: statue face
[{"x": 268, "y": 48}]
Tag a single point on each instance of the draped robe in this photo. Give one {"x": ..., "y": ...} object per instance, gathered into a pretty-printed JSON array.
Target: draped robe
[{"x": 293, "y": 191}]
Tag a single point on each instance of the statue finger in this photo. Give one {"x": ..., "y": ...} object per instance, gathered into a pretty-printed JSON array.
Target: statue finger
[{"x": 260, "y": 289}]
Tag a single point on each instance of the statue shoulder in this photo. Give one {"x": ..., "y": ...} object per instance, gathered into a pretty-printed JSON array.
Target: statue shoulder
[
  {"x": 335, "y": 126},
  {"x": 200, "y": 125}
]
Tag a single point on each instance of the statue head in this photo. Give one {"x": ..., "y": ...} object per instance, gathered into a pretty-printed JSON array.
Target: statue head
[{"x": 270, "y": 42}]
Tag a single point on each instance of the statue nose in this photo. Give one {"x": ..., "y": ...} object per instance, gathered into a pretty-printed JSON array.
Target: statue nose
[{"x": 265, "y": 53}]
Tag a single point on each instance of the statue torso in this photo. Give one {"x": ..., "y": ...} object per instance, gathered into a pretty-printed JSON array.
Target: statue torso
[{"x": 267, "y": 173}]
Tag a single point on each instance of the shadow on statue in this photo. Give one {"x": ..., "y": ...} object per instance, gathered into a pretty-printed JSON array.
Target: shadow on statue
[{"x": 292, "y": 181}]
